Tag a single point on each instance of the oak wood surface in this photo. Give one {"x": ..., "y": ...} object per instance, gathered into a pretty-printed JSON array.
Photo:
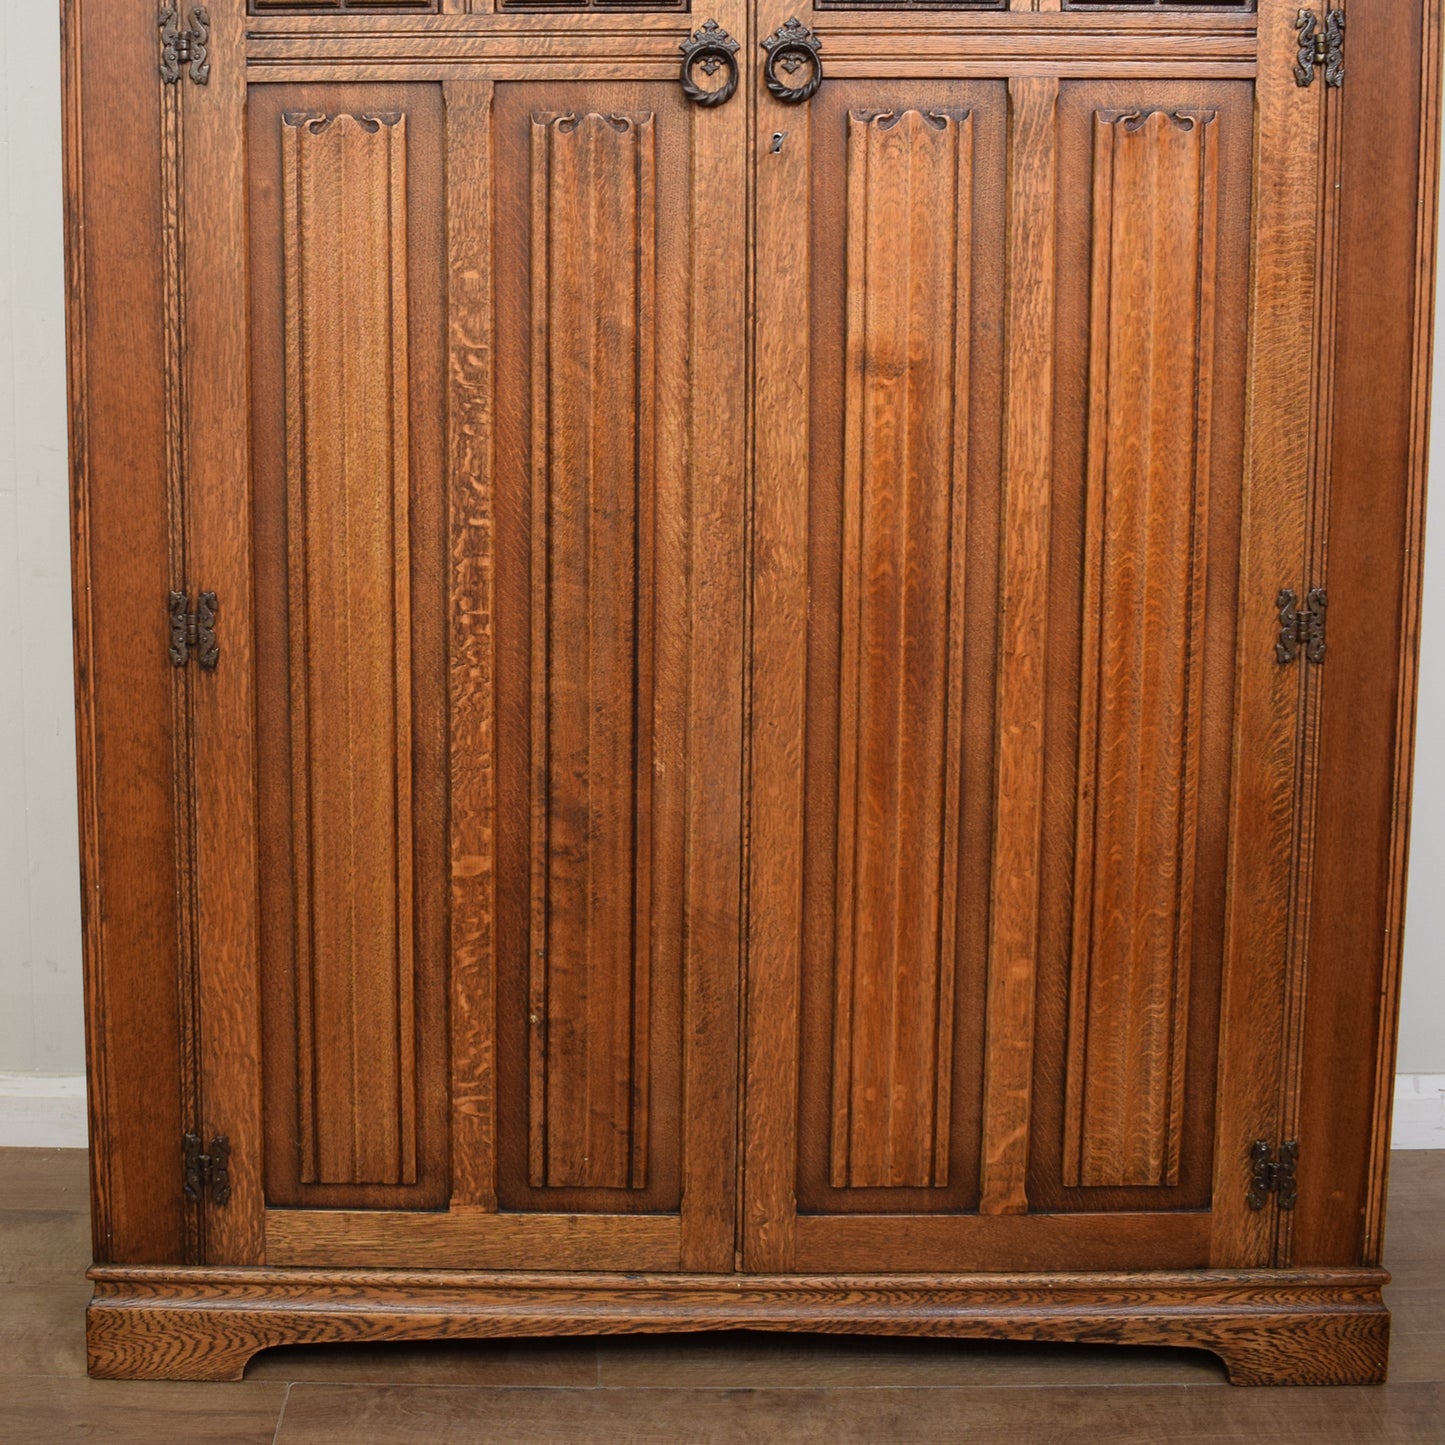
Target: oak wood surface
[
  {"x": 1156, "y": 187},
  {"x": 125, "y": 724},
  {"x": 1196, "y": 627},
  {"x": 1381, "y": 404},
  {"x": 216, "y": 375},
  {"x": 349, "y": 540},
  {"x": 595, "y": 610},
  {"x": 1261, "y": 967},
  {"x": 1270, "y": 1327},
  {"x": 1031, "y": 191},
  {"x": 915, "y": 469}
]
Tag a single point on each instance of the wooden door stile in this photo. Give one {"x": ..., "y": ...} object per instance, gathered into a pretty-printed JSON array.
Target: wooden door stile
[
  {"x": 1264, "y": 819},
  {"x": 1008, "y": 1063},
  {"x": 777, "y": 661},
  {"x": 714, "y": 431},
  {"x": 217, "y": 450},
  {"x": 472, "y": 778}
]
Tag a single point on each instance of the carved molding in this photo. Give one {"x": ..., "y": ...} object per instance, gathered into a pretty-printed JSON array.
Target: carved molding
[
  {"x": 1150, "y": 380},
  {"x": 344, "y": 234},
  {"x": 594, "y": 231},
  {"x": 901, "y": 680}
]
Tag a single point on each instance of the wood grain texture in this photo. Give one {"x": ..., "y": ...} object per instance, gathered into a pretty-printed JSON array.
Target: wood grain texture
[
  {"x": 593, "y": 454},
  {"x": 1206, "y": 610},
  {"x": 777, "y": 682},
  {"x": 120, "y": 568},
  {"x": 1411, "y": 617},
  {"x": 655, "y": 477},
  {"x": 1028, "y": 465},
  {"x": 899, "y": 755},
  {"x": 1267, "y": 752},
  {"x": 472, "y": 658},
  {"x": 945, "y": 578},
  {"x": 347, "y": 1239},
  {"x": 1269, "y": 1327},
  {"x": 1124, "y": 1412},
  {"x": 348, "y": 466},
  {"x": 916, "y": 46},
  {"x": 183, "y": 697},
  {"x": 217, "y": 446},
  {"x": 750, "y": 358},
  {"x": 854, "y": 1243},
  {"x": 350, "y": 538},
  {"x": 1151, "y": 387},
  {"x": 716, "y": 327}
]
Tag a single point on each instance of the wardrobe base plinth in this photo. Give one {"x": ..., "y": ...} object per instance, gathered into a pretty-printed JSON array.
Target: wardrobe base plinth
[{"x": 1270, "y": 1327}]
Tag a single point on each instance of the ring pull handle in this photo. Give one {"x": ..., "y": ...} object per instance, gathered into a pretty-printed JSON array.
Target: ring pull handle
[
  {"x": 710, "y": 50},
  {"x": 790, "y": 48}
]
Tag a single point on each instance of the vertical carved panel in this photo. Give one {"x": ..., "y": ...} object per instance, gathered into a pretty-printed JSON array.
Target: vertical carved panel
[
  {"x": 347, "y": 466},
  {"x": 593, "y": 266},
  {"x": 901, "y": 678},
  {"x": 1151, "y": 380}
]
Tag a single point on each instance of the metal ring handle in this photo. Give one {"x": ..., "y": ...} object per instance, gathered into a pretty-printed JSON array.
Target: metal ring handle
[
  {"x": 709, "y": 49},
  {"x": 791, "y": 46}
]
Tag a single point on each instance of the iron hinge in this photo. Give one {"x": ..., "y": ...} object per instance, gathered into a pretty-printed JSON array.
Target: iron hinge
[
  {"x": 185, "y": 49},
  {"x": 1269, "y": 1175},
  {"x": 1301, "y": 628},
  {"x": 207, "y": 1171},
  {"x": 1320, "y": 47},
  {"x": 193, "y": 632}
]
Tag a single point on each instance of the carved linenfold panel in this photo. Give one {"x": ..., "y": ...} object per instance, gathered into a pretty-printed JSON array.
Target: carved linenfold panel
[
  {"x": 906, "y": 440},
  {"x": 1150, "y": 383},
  {"x": 347, "y": 473},
  {"x": 594, "y": 240}
]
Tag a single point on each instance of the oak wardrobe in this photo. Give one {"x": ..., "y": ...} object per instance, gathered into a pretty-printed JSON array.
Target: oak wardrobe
[{"x": 748, "y": 666}]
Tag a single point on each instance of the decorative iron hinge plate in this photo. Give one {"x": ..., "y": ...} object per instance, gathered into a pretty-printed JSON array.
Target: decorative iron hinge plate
[
  {"x": 1301, "y": 627},
  {"x": 193, "y": 632},
  {"x": 1269, "y": 1175},
  {"x": 207, "y": 1172},
  {"x": 1320, "y": 48},
  {"x": 185, "y": 48}
]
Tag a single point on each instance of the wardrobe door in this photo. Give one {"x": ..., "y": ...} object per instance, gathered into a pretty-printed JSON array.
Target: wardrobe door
[
  {"x": 1036, "y": 348},
  {"x": 476, "y": 718}
]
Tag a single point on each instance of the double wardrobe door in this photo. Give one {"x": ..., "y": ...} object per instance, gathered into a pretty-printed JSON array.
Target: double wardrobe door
[{"x": 754, "y": 726}]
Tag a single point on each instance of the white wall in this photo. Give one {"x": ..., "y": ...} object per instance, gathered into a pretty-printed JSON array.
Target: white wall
[
  {"x": 1422, "y": 1017},
  {"x": 40, "y": 1007}
]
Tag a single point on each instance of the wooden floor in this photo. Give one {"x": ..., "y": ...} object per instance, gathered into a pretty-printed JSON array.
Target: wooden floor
[{"x": 798, "y": 1389}]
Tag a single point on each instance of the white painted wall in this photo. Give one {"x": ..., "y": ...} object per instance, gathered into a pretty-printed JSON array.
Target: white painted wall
[
  {"x": 1422, "y": 1017},
  {"x": 40, "y": 1008},
  {"x": 40, "y": 1000}
]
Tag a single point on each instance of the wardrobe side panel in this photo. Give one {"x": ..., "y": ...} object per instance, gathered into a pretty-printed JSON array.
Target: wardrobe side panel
[
  {"x": 1377, "y": 459},
  {"x": 125, "y": 740}
]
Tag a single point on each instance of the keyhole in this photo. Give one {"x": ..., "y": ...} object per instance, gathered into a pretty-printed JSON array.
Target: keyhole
[{"x": 779, "y": 136}]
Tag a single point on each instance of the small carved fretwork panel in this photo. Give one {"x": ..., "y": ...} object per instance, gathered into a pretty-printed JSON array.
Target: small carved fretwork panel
[
  {"x": 308, "y": 7},
  {"x": 542, "y": 6},
  {"x": 910, "y": 4},
  {"x": 1241, "y": 5}
]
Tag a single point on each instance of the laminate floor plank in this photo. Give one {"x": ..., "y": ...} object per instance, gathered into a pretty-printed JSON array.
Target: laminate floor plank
[
  {"x": 743, "y": 1360},
  {"x": 41, "y": 1246},
  {"x": 48, "y": 1179},
  {"x": 51, "y": 1410},
  {"x": 1128, "y": 1415},
  {"x": 496, "y": 1363},
  {"x": 42, "y": 1330}
]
